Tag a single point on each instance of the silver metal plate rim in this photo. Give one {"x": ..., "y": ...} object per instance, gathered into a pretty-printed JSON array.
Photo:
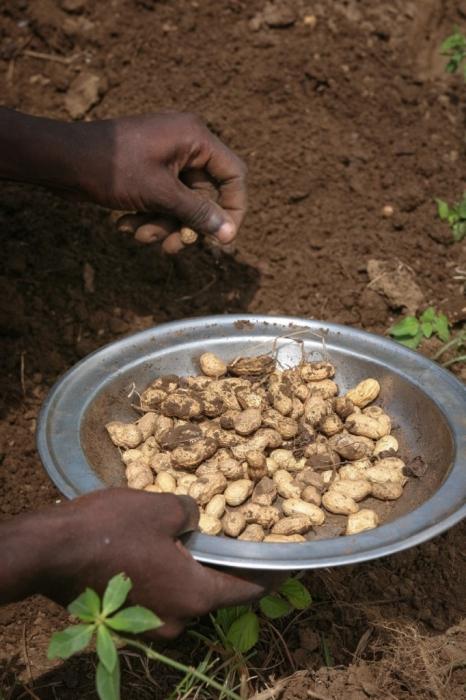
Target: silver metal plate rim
[{"x": 444, "y": 509}]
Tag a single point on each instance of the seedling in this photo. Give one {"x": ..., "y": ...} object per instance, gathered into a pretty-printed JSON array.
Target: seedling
[
  {"x": 454, "y": 47},
  {"x": 455, "y": 215},
  {"x": 411, "y": 331},
  {"x": 106, "y": 620},
  {"x": 240, "y": 626},
  {"x": 234, "y": 634}
]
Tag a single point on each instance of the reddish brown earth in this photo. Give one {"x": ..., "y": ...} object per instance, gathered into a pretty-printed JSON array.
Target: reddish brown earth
[{"x": 336, "y": 119}]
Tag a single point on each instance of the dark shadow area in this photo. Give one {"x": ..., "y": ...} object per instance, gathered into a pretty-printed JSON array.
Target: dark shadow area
[{"x": 70, "y": 283}]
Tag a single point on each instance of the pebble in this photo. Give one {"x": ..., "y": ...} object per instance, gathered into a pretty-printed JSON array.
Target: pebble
[{"x": 84, "y": 92}]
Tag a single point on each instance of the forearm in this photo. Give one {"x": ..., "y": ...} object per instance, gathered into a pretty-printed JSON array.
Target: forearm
[
  {"x": 29, "y": 545},
  {"x": 38, "y": 150}
]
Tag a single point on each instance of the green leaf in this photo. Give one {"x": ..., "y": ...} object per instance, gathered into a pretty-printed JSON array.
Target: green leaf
[
  {"x": 407, "y": 326},
  {"x": 135, "y": 619},
  {"x": 454, "y": 41},
  {"x": 412, "y": 343},
  {"x": 296, "y": 593},
  {"x": 274, "y": 607},
  {"x": 452, "y": 66},
  {"x": 428, "y": 315},
  {"x": 427, "y": 328},
  {"x": 442, "y": 327},
  {"x": 116, "y": 593},
  {"x": 72, "y": 639},
  {"x": 106, "y": 649},
  {"x": 226, "y": 616},
  {"x": 86, "y": 606},
  {"x": 453, "y": 217},
  {"x": 244, "y": 632},
  {"x": 461, "y": 208},
  {"x": 108, "y": 684},
  {"x": 442, "y": 209},
  {"x": 459, "y": 231}
]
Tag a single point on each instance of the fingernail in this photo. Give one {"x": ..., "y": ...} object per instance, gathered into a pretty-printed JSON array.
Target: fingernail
[{"x": 226, "y": 232}]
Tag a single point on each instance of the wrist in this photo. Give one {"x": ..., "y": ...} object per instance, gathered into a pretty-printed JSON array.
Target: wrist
[
  {"x": 39, "y": 151},
  {"x": 31, "y": 548}
]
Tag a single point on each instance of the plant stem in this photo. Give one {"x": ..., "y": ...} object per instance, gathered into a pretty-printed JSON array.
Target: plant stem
[
  {"x": 156, "y": 656},
  {"x": 459, "y": 358},
  {"x": 456, "y": 341}
]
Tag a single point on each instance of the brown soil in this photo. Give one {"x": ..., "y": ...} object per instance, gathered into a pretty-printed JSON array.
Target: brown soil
[{"x": 336, "y": 121}]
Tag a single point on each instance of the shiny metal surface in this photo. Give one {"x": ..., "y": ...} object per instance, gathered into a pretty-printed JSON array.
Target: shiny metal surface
[{"x": 427, "y": 403}]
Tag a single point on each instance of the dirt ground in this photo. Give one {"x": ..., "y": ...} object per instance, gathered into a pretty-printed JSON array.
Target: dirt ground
[{"x": 340, "y": 107}]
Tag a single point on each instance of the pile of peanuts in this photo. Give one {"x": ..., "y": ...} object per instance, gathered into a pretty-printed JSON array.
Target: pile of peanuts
[{"x": 266, "y": 453}]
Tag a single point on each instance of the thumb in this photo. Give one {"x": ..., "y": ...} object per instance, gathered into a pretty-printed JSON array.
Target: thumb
[
  {"x": 172, "y": 515},
  {"x": 202, "y": 214}
]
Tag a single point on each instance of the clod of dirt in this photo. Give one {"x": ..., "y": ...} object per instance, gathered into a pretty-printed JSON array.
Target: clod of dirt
[
  {"x": 396, "y": 283},
  {"x": 84, "y": 92},
  {"x": 75, "y": 27},
  {"x": 73, "y": 6},
  {"x": 417, "y": 467},
  {"x": 278, "y": 15},
  {"x": 374, "y": 308},
  {"x": 46, "y": 20},
  {"x": 455, "y": 309}
]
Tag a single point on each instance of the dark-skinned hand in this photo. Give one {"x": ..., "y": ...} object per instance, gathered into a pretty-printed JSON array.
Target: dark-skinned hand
[{"x": 61, "y": 550}]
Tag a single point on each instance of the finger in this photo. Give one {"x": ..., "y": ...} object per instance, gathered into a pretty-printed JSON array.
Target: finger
[
  {"x": 171, "y": 629},
  {"x": 190, "y": 515},
  {"x": 269, "y": 580},
  {"x": 229, "y": 172},
  {"x": 176, "y": 515},
  {"x": 147, "y": 228},
  {"x": 173, "y": 244},
  {"x": 155, "y": 230},
  {"x": 129, "y": 223},
  {"x": 201, "y": 182},
  {"x": 228, "y": 589},
  {"x": 200, "y": 213}
]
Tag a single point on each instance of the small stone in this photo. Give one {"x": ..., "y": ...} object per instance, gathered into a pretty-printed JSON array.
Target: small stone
[
  {"x": 308, "y": 639},
  {"x": 255, "y": 23},
  {"x": 387, "y": 211},
  {"x": 310, "y": 21},
  {"x": 278, "y": 15},
  {"x": 84, "y": 92},
  {"x": 73, "y": 6},
  {"x": 77, "y": 26},
  {"x": 39, "y": 79}
]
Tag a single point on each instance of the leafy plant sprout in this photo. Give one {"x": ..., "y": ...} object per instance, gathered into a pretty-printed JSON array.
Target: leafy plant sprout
[
  {"x": 234, "y": 633},
  {"x": 454, "y": 47},
  {"x": 237, "y": 630},
  {"x": 411, "y": 331},
  {"x": 105, "y": 620},
  {"x": 455, "y": 215}
]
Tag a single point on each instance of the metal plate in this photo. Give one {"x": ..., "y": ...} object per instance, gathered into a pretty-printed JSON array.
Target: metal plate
[{"x": 427, "y": 403}]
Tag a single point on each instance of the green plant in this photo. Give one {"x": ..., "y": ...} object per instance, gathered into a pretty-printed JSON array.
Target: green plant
[
  {"x": 455, "y": 215},
  {"x": 411, "y": 331},
  {"x": 106, "y": 620},
  {"x": 454, "y": 47},
  {"x": 234, "y": 632},
  {"x": 239, "y": 627}
]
